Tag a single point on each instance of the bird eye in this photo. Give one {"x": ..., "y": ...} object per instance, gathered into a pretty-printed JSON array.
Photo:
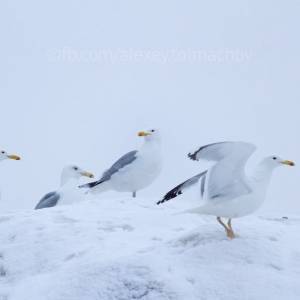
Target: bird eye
[
  {"x": 75, "y": 168},
  {"x": 3, "y": 152},
  {"x": 274, "y": 157},
  {"x": 152, "y": 130}
]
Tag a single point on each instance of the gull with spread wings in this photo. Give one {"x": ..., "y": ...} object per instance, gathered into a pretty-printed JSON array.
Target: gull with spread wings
[{"x": 225, "y": 188}]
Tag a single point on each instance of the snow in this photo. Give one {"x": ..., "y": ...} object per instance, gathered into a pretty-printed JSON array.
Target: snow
[{"x": 123, "y": 248}]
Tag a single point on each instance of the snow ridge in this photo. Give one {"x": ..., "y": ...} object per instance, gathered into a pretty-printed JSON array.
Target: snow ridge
[{"x": 124, "y": 248}]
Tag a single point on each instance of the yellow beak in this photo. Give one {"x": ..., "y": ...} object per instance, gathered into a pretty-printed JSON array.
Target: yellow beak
[
  {"x": 288, "y": 163},
  {"x": 15, "y": 157},
  {"x": 143, "y": 133},
  {"x": 87, "y": 174}
]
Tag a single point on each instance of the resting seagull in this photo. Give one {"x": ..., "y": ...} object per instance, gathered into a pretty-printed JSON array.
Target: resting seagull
[
  {"x": 226, "y": 190},
  {"x": 68, "y": 192},
  {"x": 4, "y": 155},
  {"x": 133, "y": 171}
]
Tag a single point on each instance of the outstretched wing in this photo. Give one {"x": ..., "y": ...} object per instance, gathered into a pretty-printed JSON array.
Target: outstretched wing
[
  {"x": 124, "y": 161},
  {"x": 49, "y": 200},
  {"x": 179, "y": 189},
  {"x": 227, "y": 176},
  {"x": 218, "y": 151}
]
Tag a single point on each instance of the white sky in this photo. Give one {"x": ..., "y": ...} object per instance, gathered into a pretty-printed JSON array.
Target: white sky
[{"x": 62, "y": 102}]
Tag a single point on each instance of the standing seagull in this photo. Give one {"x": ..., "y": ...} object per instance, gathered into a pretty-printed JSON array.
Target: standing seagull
[
  {"x": 226, "y": 189},
  {"x": 133, "y": 171},
  {"x": 68, "y": 191}
]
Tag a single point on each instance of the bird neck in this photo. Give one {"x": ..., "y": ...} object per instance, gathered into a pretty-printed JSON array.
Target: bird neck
[
  {"x": 263, "y": 173},
  {"x": 151, "y": 145},
  {"x": 67, "y": 180}
]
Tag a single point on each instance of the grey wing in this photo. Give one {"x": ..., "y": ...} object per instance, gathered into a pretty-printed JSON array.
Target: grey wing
[
  {"x": 49, "y": 200},
  {"x": 179, "y": 189},
  {"x": 227, "y": 177},
  {"x": 124, "y": 161},
  {"x": 221, "y": 150},
  {"x": 227, "y": 181},
  {"x": 201, "y": 153}
]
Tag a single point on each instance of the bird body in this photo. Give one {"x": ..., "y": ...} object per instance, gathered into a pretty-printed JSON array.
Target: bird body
[
  {"x": 234, "y": 208},
  {"x": 142, "y": 172},
  {"x": 69, "y": 192}
]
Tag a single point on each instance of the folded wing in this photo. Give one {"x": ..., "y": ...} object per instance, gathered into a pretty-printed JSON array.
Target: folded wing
[
  {"x": 124, "y": 161},
  {"x": 49, "y": 200}
]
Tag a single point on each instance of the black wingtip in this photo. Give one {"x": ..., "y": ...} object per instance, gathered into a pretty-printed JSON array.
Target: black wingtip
[
  {"x": 83, "y": 186},
  {"x": 193, "y": 156},
  {"x": 163, "y": 200},
  {"x": 160, "y": 201},
  {"x": 170, "y": 195},
  {"x": 86, "y": 185},
  {"x": 90, "y": 184}
]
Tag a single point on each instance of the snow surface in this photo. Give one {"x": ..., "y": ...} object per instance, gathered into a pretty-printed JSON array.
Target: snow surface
[{"x": 124, "y": 248}]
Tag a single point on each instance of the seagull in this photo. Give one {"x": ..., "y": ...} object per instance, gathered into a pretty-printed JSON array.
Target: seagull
[
  {"x": 68, "y": 192},
  {"x": 4, "y": 155},
  {"x": 226, "y": 190},
  {"x": 133, "y": 171}
]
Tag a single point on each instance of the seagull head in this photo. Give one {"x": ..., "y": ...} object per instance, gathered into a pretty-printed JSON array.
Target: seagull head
[
  {"x": 74, "y": 172},
  {"x": 276, "y": 161},
  {"x": 4, "y": 155},
  {"x": 151, "y": 134}
]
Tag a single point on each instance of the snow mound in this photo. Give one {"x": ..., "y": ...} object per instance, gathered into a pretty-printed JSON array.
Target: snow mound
[{"x": 122, "y": 249}]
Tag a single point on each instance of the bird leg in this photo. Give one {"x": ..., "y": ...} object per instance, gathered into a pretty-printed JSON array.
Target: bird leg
[
  {"x": 223, "y": 224},
  {"x": 134, "y": 194},
  {"x": 229, "y": 231}
]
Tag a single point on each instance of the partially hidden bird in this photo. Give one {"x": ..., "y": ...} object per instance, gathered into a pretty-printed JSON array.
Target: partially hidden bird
[{"x": 68, "y": 191}]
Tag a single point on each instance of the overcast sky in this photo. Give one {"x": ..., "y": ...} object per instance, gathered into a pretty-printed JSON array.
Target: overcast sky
[{"x": 78, "y": 79}]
